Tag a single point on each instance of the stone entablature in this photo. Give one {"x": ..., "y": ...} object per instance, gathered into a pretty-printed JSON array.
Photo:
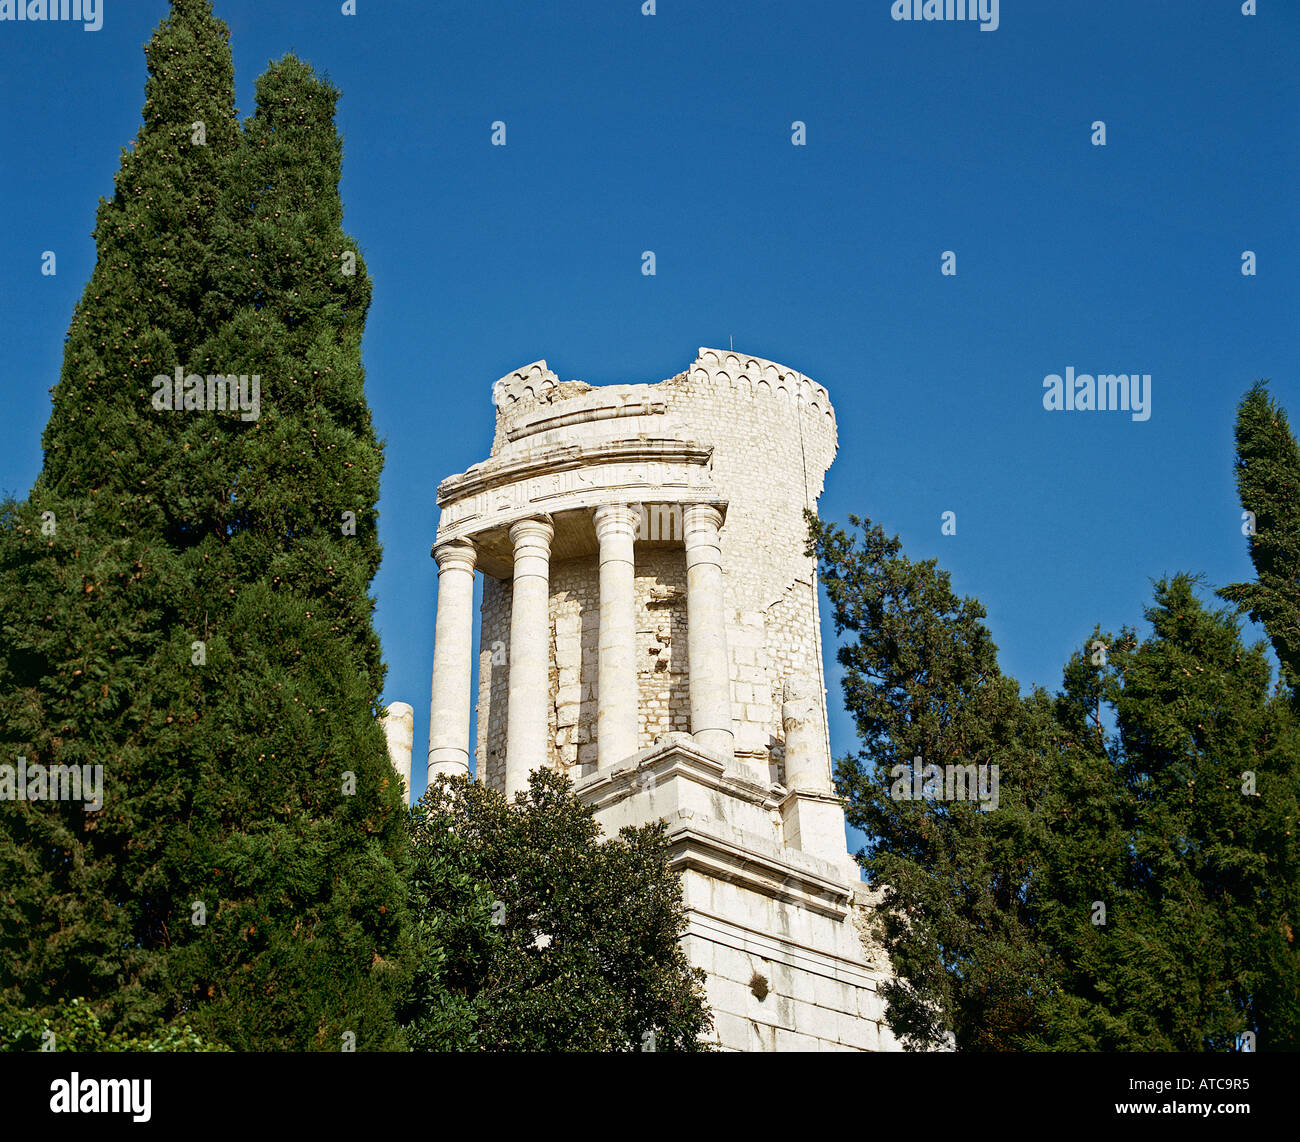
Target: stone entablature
[
  {"x": 606, "y": 403},
  {"x": 517, "y": 395},
  {"x": 568, "y": 482}
]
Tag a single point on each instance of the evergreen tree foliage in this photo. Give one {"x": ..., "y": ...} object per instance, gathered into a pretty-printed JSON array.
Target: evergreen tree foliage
[
  {"x": 1268, "y": 480},
  {"x": 311, "y": 879},
  {"x": 199, "y": 620},
  {"x": 1212, "y": 763},
  {"x": 1130, "y": 891},
  {"x": 74, "y": 1025},
  {"x": 92, "y": 651},
  {"x": 538, "y": 935},
  {"x": 1198, "y": 897},
  {"x": 921, "y": 681}
]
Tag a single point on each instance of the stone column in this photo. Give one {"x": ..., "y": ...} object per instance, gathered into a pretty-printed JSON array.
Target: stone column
[
  {"x": 527, "y": 747},
  {"x": 616, "y": 688},
  {"x": 452, "y": 648},
  {"x": 706, "y": 631},
  {"x": 806, "y": 766},
  {"x": 811, "y": 813},
  {"x": 399, "y": 730}
]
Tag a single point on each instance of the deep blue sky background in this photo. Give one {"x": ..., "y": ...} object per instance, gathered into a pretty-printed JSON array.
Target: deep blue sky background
[{"x": 672, "y": 133}]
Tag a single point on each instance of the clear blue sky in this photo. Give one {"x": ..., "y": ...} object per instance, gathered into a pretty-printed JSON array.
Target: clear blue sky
[{"x": 672, "y": 133}]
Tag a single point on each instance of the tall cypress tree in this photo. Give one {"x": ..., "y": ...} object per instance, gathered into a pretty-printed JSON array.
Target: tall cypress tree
[
  {"x": 91, "y": 659},
  {"x": 1082, "y": 841},
  {"x": 198, "y": 619},
  {"x": 1200, "y": 939},
  {"x": 960, "y": 910},
  {"x": 304, "y": 845},
  {"x": 1268, "y": 480}
]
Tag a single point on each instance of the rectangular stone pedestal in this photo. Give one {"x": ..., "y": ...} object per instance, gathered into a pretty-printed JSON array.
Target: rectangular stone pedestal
[{"x": 774, "y": 928}]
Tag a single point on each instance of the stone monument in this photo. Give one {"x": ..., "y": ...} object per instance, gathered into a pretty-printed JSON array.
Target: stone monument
[{"x": 650, "y": 627}]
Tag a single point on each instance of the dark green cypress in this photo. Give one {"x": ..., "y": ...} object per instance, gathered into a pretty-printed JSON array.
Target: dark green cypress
[
  {"x": 1211, "y": 761},
  {"x": 961, "y": 906},
  {"x": 199, "y": 621},
  {"x": 1268, "y": 481},
  {"x": 305, "y": 841},
  {"x": 93, "y": 653}
]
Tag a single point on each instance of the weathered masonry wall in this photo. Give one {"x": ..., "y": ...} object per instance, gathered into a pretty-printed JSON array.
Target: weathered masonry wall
[{"x": 819, "y": 990}]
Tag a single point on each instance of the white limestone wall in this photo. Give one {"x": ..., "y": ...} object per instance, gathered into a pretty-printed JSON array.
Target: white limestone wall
[
  {"x": 662, "y": 675},
  {"x": 493, "y": 683},
  {"x": 575, "y": 625},
  {"x": 822, "y": 982},
  {"x": 813, "y": 1001}
]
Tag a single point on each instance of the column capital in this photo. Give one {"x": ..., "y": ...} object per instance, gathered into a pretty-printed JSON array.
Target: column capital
[
  {"x": 615, "y": 519},
  {"x": 700, "y": 517},
  {"x": 700, "y": 536},
  {"x": 455, "y": 553},
  {"x": 536, "y": 532}
]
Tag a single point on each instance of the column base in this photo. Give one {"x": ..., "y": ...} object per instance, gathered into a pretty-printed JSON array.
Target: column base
[
  {"x": 813, "y": 822},
  {"x": 721, "y": 742},
  {"x": 448, "y": 763}
]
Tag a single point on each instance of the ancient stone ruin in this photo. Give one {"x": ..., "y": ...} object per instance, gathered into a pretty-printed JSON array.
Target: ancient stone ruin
[{"x": 649, "y": 626}]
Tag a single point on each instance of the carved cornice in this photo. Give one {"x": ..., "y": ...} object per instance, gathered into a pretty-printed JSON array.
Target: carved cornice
[
  {"x": 677, "y": 756},
  {"x": 715, "y": 847},
  {"x": 492, "y": 474},
  {"x": 697, "y": 843},
  {"x": 599, "y": 404}
]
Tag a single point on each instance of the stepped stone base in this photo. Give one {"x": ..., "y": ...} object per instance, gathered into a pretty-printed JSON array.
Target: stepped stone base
[{"x": 755, "y": 907}]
